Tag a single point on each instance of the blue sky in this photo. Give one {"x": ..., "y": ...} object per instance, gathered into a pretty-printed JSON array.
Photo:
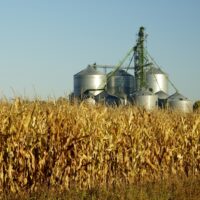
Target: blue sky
[{"x": 43, "y": 43}]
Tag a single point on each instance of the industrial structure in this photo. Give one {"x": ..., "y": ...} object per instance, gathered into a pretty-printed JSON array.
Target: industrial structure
[{"x": 144, "y": 84}]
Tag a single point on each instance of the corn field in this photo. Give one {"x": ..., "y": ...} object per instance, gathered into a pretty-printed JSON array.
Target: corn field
[{"x": 64, "y": 145}]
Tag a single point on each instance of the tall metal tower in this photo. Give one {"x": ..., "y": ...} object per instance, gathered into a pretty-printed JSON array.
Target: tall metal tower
[{"x": 140, "y": 60}]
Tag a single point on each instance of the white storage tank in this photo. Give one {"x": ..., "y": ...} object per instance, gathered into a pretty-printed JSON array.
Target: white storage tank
[
  {"x": 90, "y": 80},
  {"x": 157, "y": 80},
  {"x": 181, "y": 103},
  {"x": 146, "y": 99}
]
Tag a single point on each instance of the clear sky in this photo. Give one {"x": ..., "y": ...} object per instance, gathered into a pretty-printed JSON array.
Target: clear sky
[{"x": 43, "y": 43}]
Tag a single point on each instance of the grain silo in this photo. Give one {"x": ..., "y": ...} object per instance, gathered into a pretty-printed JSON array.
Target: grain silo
[
  {"x": 157, "y": 80},
  {"x": 146, "y": 99},
  {"x": 178, "y": 102},
  {"x": 121, "y": 83},
  {"x": 90, "y": 81}
]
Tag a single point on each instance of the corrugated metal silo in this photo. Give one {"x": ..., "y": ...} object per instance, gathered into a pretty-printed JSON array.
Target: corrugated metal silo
[
  {"x": 157, "y": 80},
  {"x": 121, "y": 83},
  {"x": 90, "y": 80},
  {"x": 181, "y": 103},
  {"x": 146, "y": 99}
]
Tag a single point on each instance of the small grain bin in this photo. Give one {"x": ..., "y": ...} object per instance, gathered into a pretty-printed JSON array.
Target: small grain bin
[
  {"x": 179, "y": 102},
  {"x": 146, "y": 99}
]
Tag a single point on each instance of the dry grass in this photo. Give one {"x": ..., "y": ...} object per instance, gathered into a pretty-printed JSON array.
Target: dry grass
[{"x": 64, "y": 146}]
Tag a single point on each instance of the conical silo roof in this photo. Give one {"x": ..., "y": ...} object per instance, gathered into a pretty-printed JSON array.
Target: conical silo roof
[
  {"x": 154, "y": 70},
  {"x": 162, "y": 95},
  {"x": 177, "y": 97},
  {"x": 90, "y": 70},
  {"x": 143, "y": 92},
  {"x": 121, "y": 72}
]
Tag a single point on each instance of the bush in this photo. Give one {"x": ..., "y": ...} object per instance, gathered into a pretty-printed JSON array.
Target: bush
[{"x": 196, "y": 105}]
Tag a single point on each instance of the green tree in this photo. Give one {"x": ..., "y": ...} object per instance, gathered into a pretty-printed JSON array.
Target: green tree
[{"x": 196, "y": 105}]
